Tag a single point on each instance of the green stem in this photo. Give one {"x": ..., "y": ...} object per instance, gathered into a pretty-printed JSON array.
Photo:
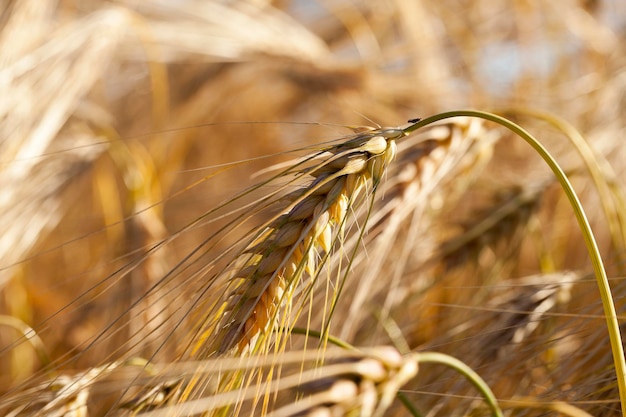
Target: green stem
[
  {"x": 409, "y": 405},
  {"x": 592, "y": 247},
  {"x": 469, "y": 373}
]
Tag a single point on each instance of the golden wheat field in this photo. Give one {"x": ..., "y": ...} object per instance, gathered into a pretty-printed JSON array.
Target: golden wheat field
[{"x": 312, "y": 208}]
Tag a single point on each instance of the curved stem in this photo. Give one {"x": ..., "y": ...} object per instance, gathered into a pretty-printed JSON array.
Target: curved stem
[
  {"x": 592, "y": 247},
  {"x": 469, "y": 373},
  {"x": 612, "y": 198}
]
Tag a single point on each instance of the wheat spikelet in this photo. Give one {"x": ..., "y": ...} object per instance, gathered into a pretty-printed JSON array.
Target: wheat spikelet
[{"x": 290, "y": 246}]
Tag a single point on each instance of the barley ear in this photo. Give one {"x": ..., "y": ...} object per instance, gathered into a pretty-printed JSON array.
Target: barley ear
[{"x": 263, "y": 286}]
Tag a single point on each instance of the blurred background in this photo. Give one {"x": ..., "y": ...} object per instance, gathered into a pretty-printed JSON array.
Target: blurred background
[{"x": 117, "y": 117}]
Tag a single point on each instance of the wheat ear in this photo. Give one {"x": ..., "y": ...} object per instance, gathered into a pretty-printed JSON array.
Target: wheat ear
[
  {"x": 363, "y": 385},
  {"x": 291, "y": 244}
]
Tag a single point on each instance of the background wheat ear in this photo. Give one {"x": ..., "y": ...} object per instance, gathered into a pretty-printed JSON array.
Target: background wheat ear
[
  {"x": 292, "y": 244},
  {"x": 364, "y": 383}
]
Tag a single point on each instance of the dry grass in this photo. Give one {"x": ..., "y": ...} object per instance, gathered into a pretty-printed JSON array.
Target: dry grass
[{"x": 185, "y": 188}]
